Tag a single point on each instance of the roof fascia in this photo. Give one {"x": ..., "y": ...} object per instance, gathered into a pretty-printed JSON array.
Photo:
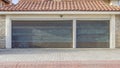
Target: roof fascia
[{"x": 60, "y": 12}]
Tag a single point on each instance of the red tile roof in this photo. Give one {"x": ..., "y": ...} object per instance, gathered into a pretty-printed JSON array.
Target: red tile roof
[{"x": 61, "y": 5}]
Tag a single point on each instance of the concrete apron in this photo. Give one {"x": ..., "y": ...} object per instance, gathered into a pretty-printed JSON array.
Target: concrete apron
[
  {"x": 58, "y": 54},
  {"x": 59, "y": 58}
]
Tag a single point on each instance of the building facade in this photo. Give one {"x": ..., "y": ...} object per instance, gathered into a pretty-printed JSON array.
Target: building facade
[{"x": 60, "y": 24}]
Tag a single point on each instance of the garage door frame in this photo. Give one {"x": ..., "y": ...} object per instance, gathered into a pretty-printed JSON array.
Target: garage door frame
[{"x": 9, "y": 20}]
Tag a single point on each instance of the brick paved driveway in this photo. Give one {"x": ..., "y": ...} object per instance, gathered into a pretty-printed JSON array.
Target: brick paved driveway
[
  {"x": 62, "y": 64},
  {"x": 60, "y": 58}
]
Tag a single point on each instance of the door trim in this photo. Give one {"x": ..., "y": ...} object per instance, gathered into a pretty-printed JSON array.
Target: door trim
[{"x": 9, "y": 19}]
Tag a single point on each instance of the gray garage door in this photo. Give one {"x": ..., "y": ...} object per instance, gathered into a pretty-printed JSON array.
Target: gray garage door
[
  {"x": 42, "y": 34},
  {"x": 92, "y": 34}
]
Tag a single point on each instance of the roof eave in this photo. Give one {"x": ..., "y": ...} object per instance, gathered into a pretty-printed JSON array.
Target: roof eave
[{"x": 59, "y": 12}]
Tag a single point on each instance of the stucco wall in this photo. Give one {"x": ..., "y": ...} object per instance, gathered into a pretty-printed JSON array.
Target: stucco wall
[
  {"x": 2, "y": 23},
  {"x": 118, "y": 31},
  {"x": 2, "y": 31}
]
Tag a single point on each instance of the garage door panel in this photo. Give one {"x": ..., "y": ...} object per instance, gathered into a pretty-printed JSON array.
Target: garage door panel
[
  {"x": 42, "y": 45},
  {"x": 92, "y": 34},
  {"x": 48, "y": 34},
  {"x": 92, "y": 44}
]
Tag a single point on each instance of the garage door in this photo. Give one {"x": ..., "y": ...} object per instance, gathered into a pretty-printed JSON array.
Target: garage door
[
  {"x": 42, "y": 34},
  {"x": 93, "y": 34}
]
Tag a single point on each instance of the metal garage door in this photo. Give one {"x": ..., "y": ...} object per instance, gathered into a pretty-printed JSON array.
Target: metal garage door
[
  {"x": 92, "y": 34},
  {"x": 42, "y": 34}
]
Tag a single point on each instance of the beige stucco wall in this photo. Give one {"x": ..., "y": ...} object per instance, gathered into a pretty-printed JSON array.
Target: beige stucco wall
[
  {"x": 117, "y": 31},
  {"x": 2, "y": 31},
  {"x": 3, "y": 19}
]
